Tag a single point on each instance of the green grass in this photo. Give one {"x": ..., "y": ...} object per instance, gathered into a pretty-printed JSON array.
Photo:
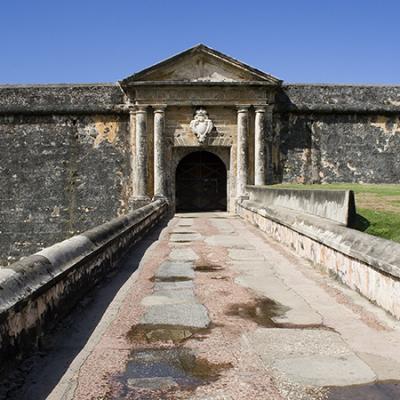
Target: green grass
[
  {"x": 378, "y": 206},
  {"x": 382, "y": 190},
  {"x": 379, "y": 223}
]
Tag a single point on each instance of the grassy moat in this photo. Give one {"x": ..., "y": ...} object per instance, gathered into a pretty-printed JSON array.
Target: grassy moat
[{"x": 378, "y": 207}]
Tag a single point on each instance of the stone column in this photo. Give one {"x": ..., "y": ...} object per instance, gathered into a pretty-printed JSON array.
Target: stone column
[
  {"x": 242, "y": 150},
  {"x": 259, "y": 146},
  {"x": 269, "y": 138},
  {"x": 160, "y": 189},
  {"x": 141, "y": 153}
]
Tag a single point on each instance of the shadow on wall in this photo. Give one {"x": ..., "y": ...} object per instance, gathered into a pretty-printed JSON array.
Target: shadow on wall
[{"x": 37, "y": 375}]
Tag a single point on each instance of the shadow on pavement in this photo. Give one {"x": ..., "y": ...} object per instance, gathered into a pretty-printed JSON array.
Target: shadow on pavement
[{"x": 35, "y": 377}]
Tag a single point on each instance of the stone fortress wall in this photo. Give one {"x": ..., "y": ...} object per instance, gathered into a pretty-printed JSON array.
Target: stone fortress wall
[
  {"x": 66, "y": 151},
  {"x": 338, "y": 133},
  {"x": 64, "y": 166}
]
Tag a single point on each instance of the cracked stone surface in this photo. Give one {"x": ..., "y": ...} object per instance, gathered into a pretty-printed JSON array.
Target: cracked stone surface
[
  {"x": 188, "y": 315},
  {"x": 175, "y": 270},
  {"x": 319, "y": 333},
  {"x": 185, "y": 237},
  {"x": 310, "y": 357},
  {"x": 183, "y": 254}
]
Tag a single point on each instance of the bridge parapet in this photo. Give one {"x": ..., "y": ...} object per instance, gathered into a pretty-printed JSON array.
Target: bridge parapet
[
  {"x": 38, "y": 290},
  {"x": 368, "y": 264},
  {"x": 336, "y": 205}
]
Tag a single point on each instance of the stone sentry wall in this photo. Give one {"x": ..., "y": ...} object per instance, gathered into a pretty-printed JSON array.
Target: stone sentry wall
[
  {"x": 64, "y": 163},
  {"x": 337, "y": 133}
]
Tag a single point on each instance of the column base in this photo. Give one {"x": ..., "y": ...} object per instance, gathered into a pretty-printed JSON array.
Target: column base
[
  {"x": 138, "y": 201},
  {"x": 242, "y": 197},
  {"x": 159, "y": 197},
  {"x": 141, "y": 198}
]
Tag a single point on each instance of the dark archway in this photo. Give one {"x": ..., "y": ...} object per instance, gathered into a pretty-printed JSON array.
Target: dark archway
[{"x": 201, "y": 183}]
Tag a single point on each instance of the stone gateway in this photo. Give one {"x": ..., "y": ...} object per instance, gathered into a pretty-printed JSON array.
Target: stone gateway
[
  {"x": 200, "y": 101},
  {"x": 194, "y": 129}
]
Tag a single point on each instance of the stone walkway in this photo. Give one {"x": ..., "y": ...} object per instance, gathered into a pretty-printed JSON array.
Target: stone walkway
[{"x": 216, "y": 310}]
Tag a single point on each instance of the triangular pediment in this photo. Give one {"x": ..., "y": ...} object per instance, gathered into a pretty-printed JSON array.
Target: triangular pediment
[{"x": 201, "y": 64}]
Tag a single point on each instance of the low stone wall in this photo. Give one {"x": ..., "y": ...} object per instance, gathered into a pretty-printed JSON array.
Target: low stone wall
[
  {"x": 367, "y": 264},
  {"x": 337, "y": 205},
  {"x": 38, "y": 290}
]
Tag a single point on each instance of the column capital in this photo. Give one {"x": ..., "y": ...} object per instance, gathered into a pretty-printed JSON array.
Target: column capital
[
  {"x": 141, "y": 108},
  {"x": 159, "y": 108},
  {"x": 260, "y": 108},
  {"x": 131, "y": 108},
  {"x": 243, "y": 108}
]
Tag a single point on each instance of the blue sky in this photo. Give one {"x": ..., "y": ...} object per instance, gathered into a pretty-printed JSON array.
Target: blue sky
[{"x": 337, "y": 41}]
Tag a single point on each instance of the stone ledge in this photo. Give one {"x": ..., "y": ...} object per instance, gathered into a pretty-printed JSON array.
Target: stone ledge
[
  {"x": 63, "y": 99},
  {"x": 358, "y": 245},
  {"x": 38, "y": 290},
  {"x": 338, "y": 99},
  {"x": 336, "y": 205}
]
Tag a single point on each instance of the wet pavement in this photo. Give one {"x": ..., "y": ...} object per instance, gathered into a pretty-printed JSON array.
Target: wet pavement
[{"x": 210, "y": 308}]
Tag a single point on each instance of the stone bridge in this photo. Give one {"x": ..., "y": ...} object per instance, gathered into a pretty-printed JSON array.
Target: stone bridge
[{"x": 210, "y": 305}]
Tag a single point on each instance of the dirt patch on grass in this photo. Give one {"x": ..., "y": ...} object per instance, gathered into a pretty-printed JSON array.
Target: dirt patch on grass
[{"x": 373, "y": 201}]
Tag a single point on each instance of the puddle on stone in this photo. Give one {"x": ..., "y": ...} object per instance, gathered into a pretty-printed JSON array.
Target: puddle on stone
[
  {"x": 184, "y": 233},
  {"x": 161, "y": 371},
  {"x": 163, "y": 333},
  {"x": 220, "y": 278},
  {"x": 208, "y": 268},
  {"x": 260, "y": 311},
  {"x": 373, "y": 391},
  {"x": 171, "y": 279}
]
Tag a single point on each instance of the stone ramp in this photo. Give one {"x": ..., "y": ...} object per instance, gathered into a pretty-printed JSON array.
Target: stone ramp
[{"x": 228, "y": 314}]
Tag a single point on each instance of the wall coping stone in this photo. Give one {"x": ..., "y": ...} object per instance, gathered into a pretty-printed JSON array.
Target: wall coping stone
[
  {"x": 381, "y": 254},
  {"x": 62, "y": 99},
  {"x": 31, "y": 275},
  {"x": 336, "y": 205}
]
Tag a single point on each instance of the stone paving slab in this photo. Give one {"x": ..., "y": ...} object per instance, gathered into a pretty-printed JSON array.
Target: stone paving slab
[
  {"x": 319, "y": 370},
  {"x": 163, "y": 297},
  {"x": 183, "y": 285},
  {"x": 183, "y": 254},
  {"x": 175, "y": 270},
  {"x": 244, "y": 254},
  {"x": 188, "y": 315},
  {"x": 228, "y": 241},
  {"x": 222, "y": 225},
  {"x": 176, "y": 294},
  {"x": 312, "y": 356},
  {"x": 185, "y": 222},
  {"x": 259, "y": 277},
  {"x": 182, "y": 229},
  {"x": 184, "y": 237}
]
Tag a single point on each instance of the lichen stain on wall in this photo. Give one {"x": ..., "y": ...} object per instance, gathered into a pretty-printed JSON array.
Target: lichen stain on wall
[
  {"x": 126, "y": 193},
  {"x": 103, "y": 128},
  {"x": 388, "y": 125}
]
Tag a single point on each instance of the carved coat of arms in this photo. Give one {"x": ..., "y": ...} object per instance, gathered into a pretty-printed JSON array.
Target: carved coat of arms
[{"x": 201, "y": 125}]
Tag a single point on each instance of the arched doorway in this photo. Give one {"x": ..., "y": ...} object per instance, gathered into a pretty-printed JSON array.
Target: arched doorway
[{"x": 201, "y": 183}]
